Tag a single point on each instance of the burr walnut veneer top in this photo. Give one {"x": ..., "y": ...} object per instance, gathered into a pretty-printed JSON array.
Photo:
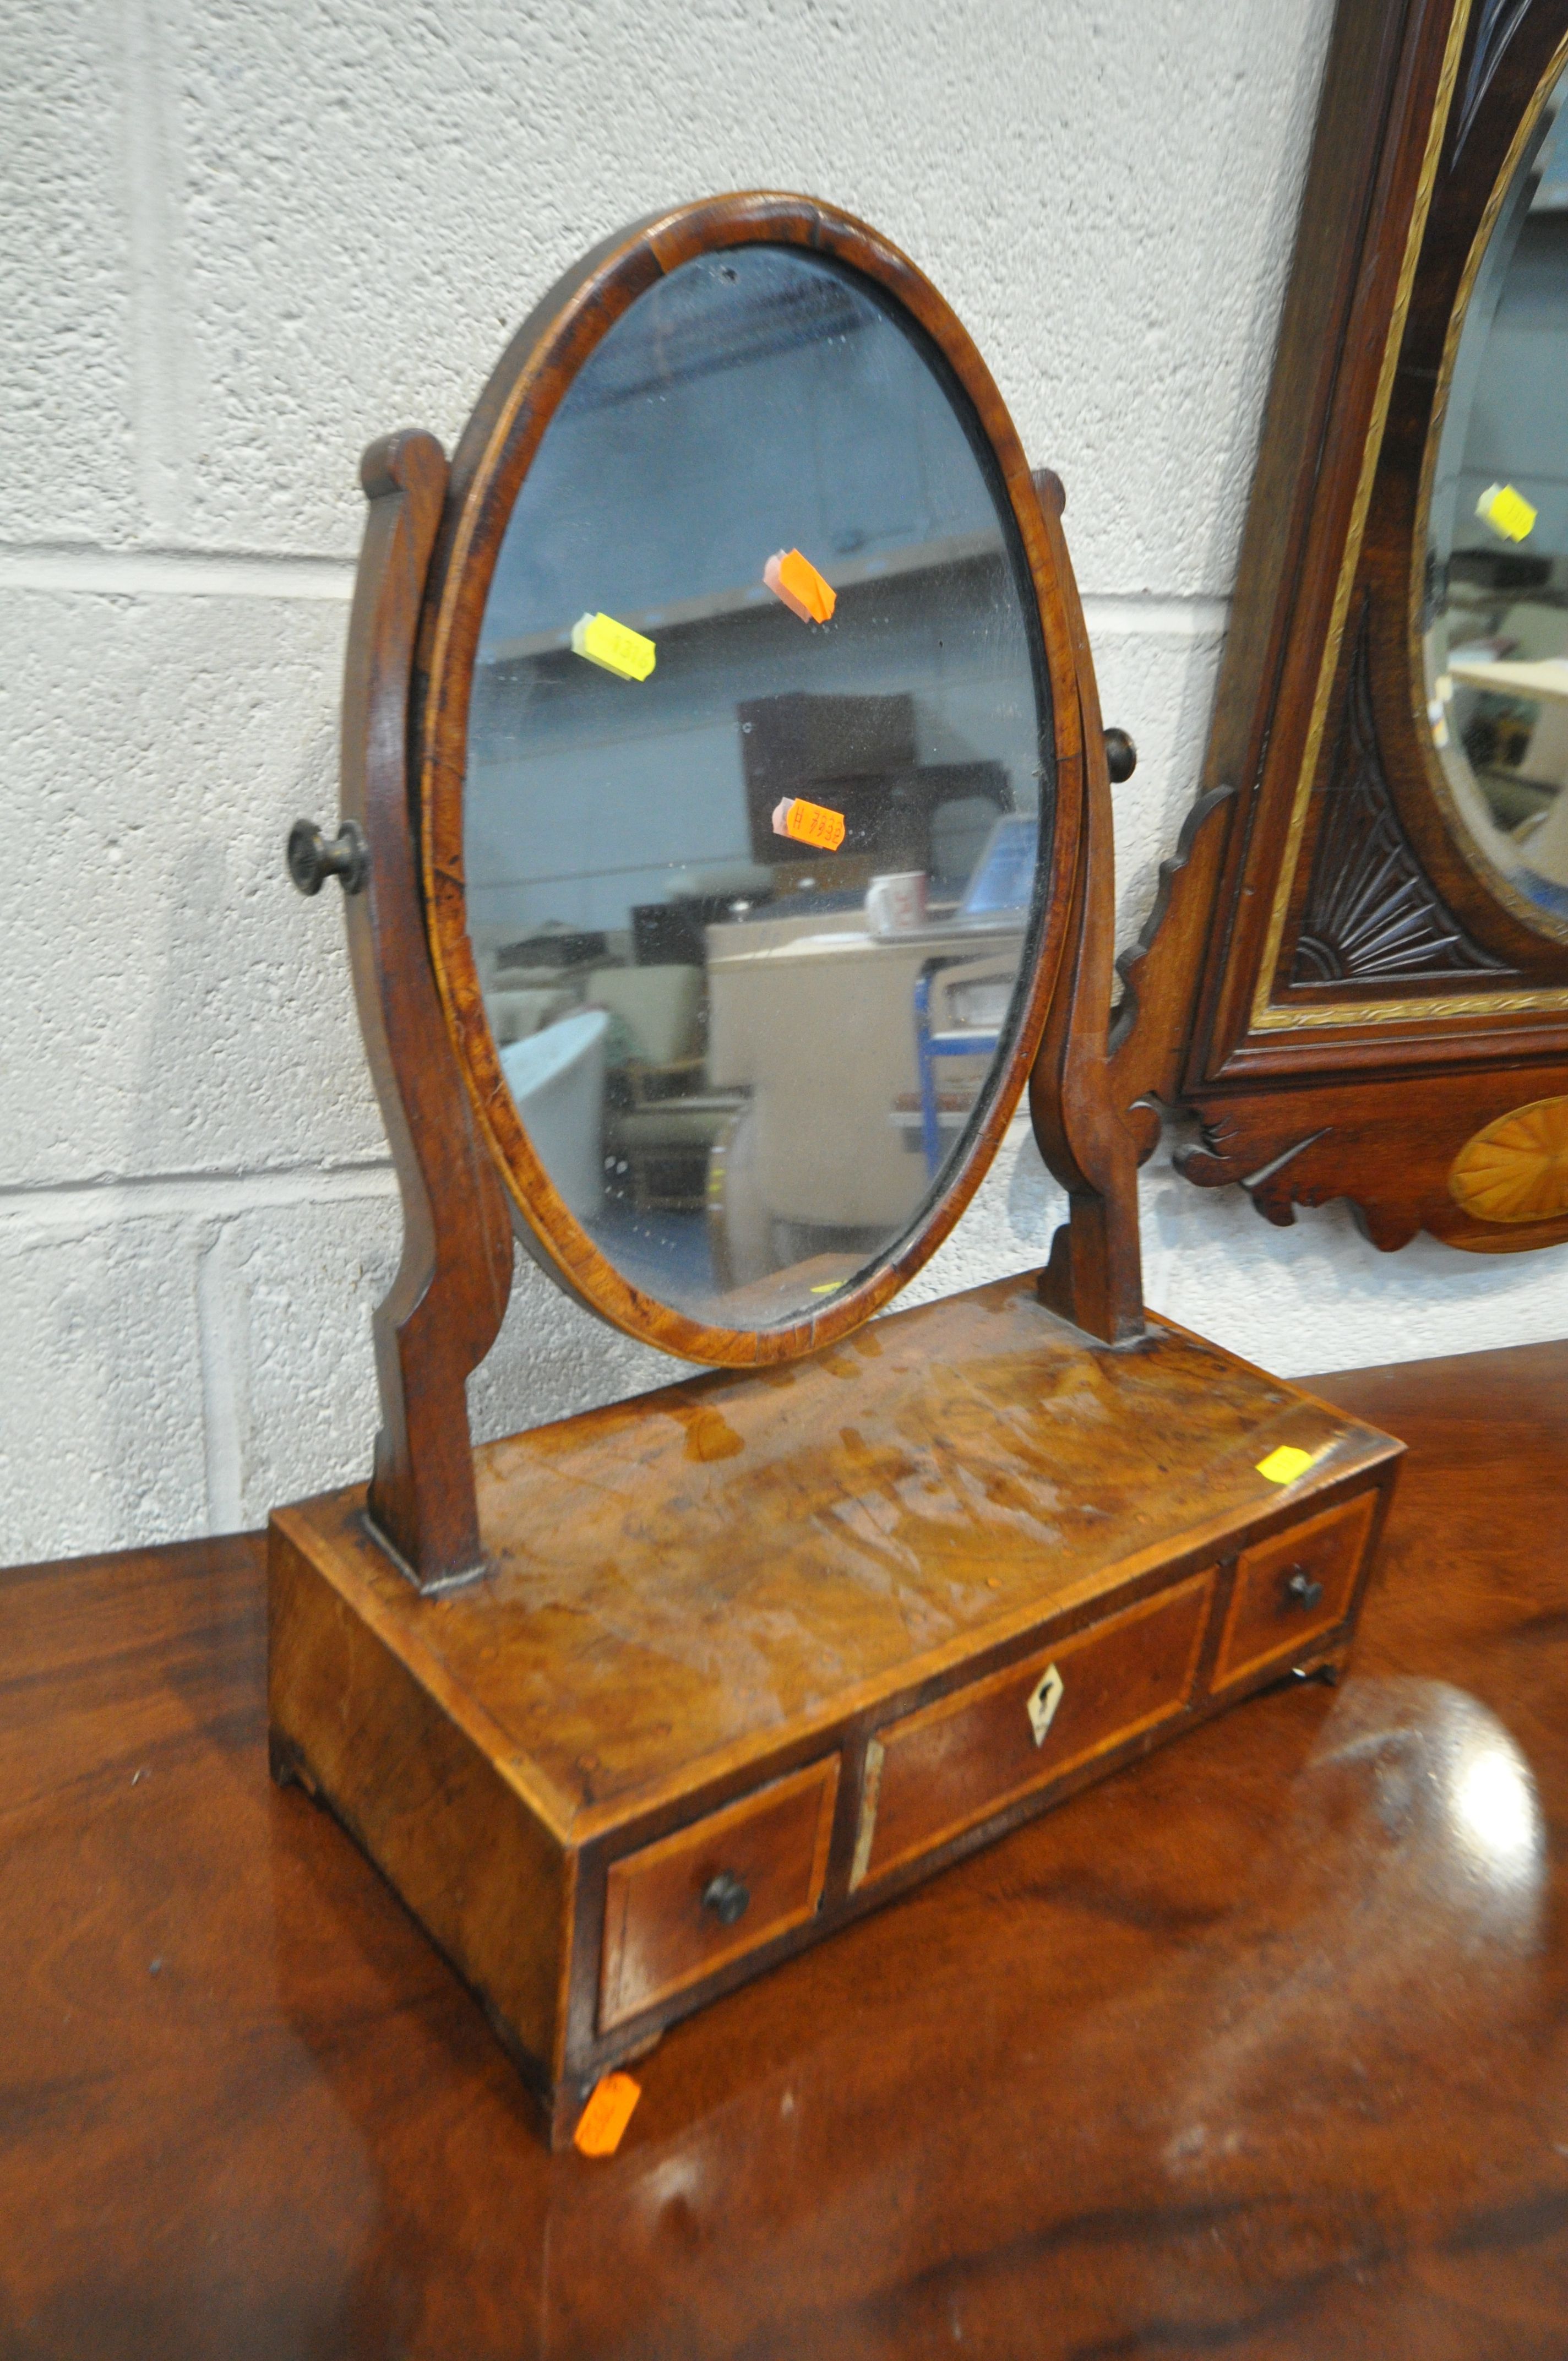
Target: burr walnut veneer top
[{"x": 981, "y": 1470}]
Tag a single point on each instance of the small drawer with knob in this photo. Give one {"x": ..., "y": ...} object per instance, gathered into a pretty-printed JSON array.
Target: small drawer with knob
[
  {"x": 687, "y": 1905},
  {"x": 936, "y": 1772},
  {"x": 1293, "y": 1588}
]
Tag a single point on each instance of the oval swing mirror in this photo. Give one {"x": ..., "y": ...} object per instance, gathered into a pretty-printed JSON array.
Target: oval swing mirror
[{"x": 748, "y": 687}]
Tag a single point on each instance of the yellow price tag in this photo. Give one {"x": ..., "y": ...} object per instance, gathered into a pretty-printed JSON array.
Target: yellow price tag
[
  {"x": 1283, "y": 1466},
  {"x": 1506, "y": 511},
  {"x": 614, "y": 647}
]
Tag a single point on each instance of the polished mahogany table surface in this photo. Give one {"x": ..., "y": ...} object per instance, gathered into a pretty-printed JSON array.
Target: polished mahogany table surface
[{"x": 1260, "y": 2047}]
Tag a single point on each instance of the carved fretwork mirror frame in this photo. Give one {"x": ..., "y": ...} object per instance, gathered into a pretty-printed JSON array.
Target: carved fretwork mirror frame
[{"x": 1368, "y": 999}]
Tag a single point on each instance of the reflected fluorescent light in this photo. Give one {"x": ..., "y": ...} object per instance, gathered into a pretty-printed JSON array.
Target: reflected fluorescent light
[
  {"x": 1494, "y": 1801},
  {"x": 674, "y": 2179}
]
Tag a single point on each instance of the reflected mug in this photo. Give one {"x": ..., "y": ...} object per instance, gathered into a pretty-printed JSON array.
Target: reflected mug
[{"x": 896, "y": 904}]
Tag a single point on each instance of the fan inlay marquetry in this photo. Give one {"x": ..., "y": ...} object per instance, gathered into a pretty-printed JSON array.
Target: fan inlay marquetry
[{"x": 1515, "y": 1170}]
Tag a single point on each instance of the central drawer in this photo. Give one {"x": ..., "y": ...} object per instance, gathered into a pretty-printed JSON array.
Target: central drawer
[
  {"x": 681, "y": 1908},
  {"x": 954, "y": 1764}
]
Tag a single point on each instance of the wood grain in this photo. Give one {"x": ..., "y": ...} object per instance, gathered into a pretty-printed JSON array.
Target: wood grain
[
  {"x": 364, "y": 1732},
  {"x": 1107, "y": 1066},
  {"x": 660, "y": 1935},
  {"x": 1387, "y": 1150},
  {"x": 1266, "y": 1620},
  {"x": 446, "y": 1304},
  {"x": 658, "y": 1613},
  {"x": 1256, "y": 2049},
  {"x": 1094, "y": 1277},
  {"x": 700, "y": 1604},
  {"x": 935, "y": 1772}
]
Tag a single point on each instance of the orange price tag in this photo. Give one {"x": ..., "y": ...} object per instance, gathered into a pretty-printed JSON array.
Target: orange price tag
[
  {"x": 795, "y": 581},
  {"x": 811, "y": 824},
  {"x": 606, "y": 2114}
]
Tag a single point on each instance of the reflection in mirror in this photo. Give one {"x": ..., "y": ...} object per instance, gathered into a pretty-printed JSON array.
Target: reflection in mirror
[
  {"x": 758, "y": 763},
  {"x": 1494, "y": 615}
]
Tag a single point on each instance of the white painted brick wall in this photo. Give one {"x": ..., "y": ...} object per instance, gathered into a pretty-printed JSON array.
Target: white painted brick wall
[{"x": 240, "y": 242}]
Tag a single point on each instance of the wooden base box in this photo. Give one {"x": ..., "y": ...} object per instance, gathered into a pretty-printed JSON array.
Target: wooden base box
[{"x": 754, "y": 1654}]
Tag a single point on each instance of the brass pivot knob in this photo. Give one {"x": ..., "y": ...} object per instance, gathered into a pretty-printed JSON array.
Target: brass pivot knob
[
  {"x": 726, "y": 1897},
  {"x": 1120, "y": 756},
  {"x": 313, "y": 857},
  {"x": 1301, "y": 1589}
]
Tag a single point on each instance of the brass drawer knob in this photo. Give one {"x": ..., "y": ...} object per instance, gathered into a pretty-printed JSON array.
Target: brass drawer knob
[
  {"x": 1302, "y": 1589},
  {"x": 726, "y": 1897}
]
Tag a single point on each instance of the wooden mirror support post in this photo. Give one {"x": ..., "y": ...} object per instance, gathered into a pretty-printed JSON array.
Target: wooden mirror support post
[
  {"x": 632, "y": 1708},
  {"x": 1105, "y": 1067},
  {"x": 450, "y": 1295}
]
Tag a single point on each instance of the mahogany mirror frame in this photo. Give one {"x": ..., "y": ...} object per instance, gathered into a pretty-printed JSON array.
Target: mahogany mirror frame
[
  {"x": 1369, "y": 999},
  {"x": 489, "y": 468}
]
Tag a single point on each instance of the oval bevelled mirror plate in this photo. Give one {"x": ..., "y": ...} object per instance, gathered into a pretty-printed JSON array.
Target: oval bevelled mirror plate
[
  {"x": 758, "y": 799},
  {"x": 1495, "y": 593}
]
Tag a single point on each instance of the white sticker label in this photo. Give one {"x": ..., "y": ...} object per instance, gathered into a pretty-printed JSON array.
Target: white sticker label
[{"x": 1044, "y": 1699}]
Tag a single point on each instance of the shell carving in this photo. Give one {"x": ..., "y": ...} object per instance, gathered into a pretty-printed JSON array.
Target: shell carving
[{"x": 1515, "y": 1170}]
